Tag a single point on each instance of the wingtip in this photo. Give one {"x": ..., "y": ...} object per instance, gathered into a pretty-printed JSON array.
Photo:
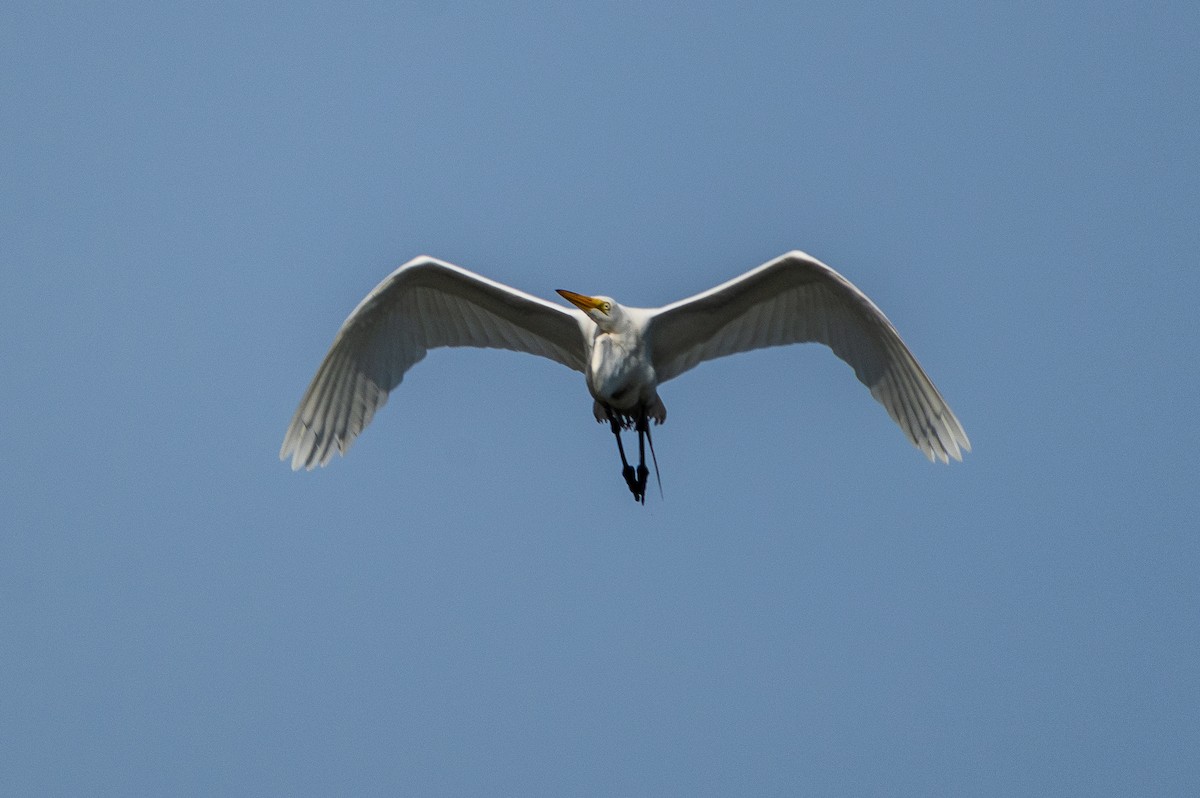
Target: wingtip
[
  {"x": 290, "y": 454},
  {"x": 959, "y": 445},
  {"x": 294, "y": 448},
  {"x": 288, "y": 446}
]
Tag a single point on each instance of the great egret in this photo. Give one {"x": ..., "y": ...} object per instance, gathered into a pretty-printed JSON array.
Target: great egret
[{"x": 625, "y": 353}]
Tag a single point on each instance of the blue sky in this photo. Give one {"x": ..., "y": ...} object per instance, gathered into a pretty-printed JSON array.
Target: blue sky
[{"x": 470, "y": 603}]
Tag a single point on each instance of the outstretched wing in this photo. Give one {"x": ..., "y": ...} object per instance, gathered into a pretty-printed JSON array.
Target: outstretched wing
[
  {"x": 795, "y": 299},
  {"x": 424, "y": 304}
]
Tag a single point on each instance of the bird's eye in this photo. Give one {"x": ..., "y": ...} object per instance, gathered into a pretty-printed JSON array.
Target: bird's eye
[{"x": 607, "y": 307}]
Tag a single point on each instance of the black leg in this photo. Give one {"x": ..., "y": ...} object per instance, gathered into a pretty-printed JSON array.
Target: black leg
[
  {"x": 626, "y": 469},
  {"x": 654, "y": 457},
  {"x": 643, "y": 473}
]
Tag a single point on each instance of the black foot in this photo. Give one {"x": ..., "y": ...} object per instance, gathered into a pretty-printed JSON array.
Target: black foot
[
  {"x": 643, "y": 475},
  {"x": 637, "y": 484}
]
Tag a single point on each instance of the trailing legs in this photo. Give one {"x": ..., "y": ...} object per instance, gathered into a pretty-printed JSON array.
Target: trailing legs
[
  {"x": 626, "y": 469},
  {"x": 635, "y": 479}
]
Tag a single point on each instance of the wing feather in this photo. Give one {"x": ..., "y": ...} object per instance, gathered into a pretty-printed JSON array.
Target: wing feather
[
  {"x": 797, "y": 299},
  {"x": 423, "y": 305}
]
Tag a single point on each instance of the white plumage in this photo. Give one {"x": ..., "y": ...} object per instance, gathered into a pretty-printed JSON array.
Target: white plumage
[{"x": 625, "y": 352}]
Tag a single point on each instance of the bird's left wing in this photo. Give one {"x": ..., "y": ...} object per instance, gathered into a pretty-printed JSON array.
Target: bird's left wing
[
  {"x": 794, "y": 299},
  {"x": 424, "y": 304}
]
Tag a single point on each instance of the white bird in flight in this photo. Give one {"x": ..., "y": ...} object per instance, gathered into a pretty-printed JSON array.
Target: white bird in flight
[{"x": 624, "y": 352}]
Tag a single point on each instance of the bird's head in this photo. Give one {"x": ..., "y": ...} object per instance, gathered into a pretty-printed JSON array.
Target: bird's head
[{"x": 603, "y": 310}]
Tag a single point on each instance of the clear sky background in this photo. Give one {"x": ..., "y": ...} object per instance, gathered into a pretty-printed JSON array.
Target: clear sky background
[{"x": 193, "y": 199}]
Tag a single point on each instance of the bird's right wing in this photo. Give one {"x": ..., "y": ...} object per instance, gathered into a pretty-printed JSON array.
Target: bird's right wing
[
  {"x": 424, "y": 304},
  {"x": 795, "y": 299}
]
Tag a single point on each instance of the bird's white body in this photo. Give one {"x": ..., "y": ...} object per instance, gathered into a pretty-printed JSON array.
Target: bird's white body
[
  {"x": 620, "y": 372},
  {"x": 624, "y": 352}
]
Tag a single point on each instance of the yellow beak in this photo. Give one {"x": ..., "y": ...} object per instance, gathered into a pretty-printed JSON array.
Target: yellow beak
[{"x": 584, "y": 303}]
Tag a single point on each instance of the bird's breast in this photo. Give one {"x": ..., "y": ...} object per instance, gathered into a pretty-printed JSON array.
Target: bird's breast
[{"x": 619, "y": 374}]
